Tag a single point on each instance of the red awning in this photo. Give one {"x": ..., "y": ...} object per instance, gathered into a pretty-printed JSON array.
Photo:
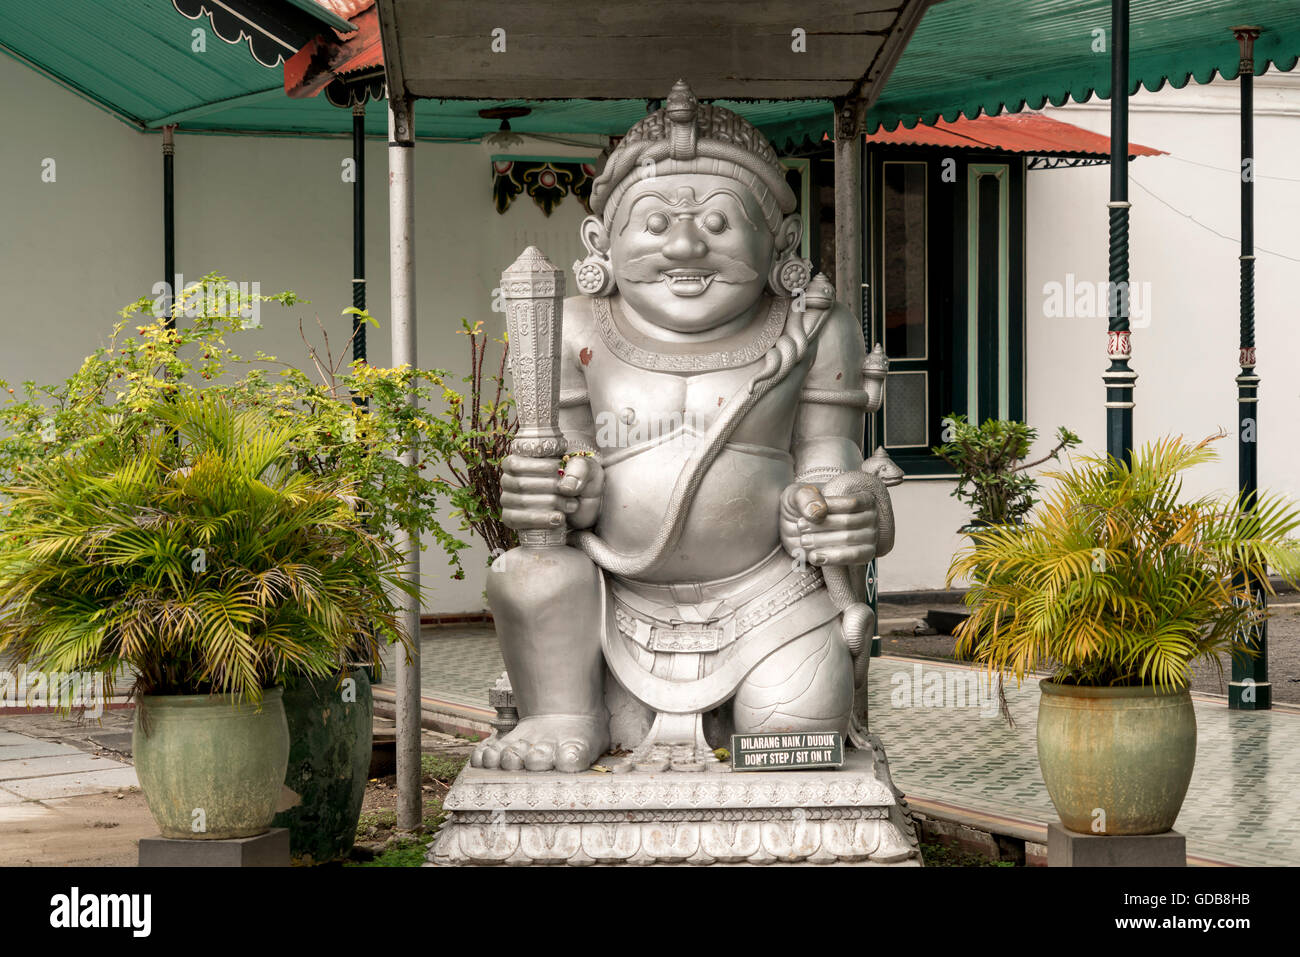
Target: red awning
[
  {"x": 347, "y": 9},
  {"x": 1031, "y": 133},
  {"x": 327, "y": 57}
]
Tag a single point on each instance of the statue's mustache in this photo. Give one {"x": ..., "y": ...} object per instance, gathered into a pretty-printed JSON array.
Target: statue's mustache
[{"x": 650, "y": 268}]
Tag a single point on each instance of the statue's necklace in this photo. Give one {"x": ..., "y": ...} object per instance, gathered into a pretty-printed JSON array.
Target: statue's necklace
[{"x": 735, "y": 351}]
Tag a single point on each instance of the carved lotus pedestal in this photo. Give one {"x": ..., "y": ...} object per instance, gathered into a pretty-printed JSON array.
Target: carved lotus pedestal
[{"x": 849, "y": 815}]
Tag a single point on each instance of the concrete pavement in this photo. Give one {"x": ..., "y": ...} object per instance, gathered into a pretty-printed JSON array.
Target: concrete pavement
[{"x": 61, "y": 804}]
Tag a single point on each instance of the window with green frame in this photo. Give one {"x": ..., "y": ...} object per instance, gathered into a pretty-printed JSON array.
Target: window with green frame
[{"x": 945, "y": 256}]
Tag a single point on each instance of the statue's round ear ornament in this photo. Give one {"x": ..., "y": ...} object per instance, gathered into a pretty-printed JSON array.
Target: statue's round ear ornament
[
  {"x": 594, "y": 275},
  {"x": 789, "y": 274}
]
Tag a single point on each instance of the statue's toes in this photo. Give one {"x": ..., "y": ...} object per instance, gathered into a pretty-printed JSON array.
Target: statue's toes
[
  {"x": 512, "y": 758},
  {"x": 540, "y": 757},
  {"x": 476, "y": 758},
  {"x": 491, "y": 757},
  {"x": 574, "y": 756}
]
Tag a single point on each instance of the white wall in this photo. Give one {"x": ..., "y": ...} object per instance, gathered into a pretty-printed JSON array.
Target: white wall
[
  {"x": 1184, "y": 238},
  {"x": 271, "y": 210},
  {"x": 1186, "y": 357}
]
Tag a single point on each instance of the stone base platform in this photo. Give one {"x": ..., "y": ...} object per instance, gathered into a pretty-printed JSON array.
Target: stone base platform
[
  {"x": 850, "y": 815},
  {"x": 1067, "y": 848},
  {"x": 265, "y": 850}
]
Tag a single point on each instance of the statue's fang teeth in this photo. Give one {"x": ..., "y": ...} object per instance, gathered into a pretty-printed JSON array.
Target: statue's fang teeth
[{"x": 703, "y": 278}]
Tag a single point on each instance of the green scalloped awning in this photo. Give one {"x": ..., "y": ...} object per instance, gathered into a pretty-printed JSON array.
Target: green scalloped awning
[
  {"x": 967, "y": 57},
  {"x": 980, "y": 56}
]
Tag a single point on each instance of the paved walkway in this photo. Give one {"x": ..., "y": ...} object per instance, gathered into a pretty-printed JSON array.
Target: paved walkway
[
  {"x": 955, "y": 758},
  {"x": 32, "y": 769},
  {"x": 458, "y": 664},
  {"x": 961, "y": 759},
  {"x": 62, "y": 803}
]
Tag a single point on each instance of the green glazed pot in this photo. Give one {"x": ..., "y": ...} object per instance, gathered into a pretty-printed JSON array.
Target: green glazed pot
[
  {"x": 1127, "y": 752},
  {"x": 331, "y": 727},
  {"x": 211, "y": 769}
]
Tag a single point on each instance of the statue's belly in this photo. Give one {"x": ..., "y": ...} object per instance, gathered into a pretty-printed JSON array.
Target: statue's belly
[{"x": 731, "y": 525}]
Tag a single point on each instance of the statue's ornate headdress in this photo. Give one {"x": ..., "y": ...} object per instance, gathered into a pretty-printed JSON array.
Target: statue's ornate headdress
[{"x": 687, "y": 137}]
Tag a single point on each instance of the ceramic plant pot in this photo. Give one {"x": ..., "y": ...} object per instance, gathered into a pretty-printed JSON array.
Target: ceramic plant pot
[
  {"x": 211, "y": 769},
  {"x": 331, "y": 725},
  {"x": 1116, "y": 760}
]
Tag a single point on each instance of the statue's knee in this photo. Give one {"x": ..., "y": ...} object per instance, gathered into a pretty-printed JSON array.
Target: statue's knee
[
  {"x": 508, "y": 582},
  {"x": 806, "y": 685},
  {"x": 545, "y": 586}
]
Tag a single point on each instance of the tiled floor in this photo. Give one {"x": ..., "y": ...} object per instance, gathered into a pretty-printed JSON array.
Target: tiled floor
[
  {"x": 1243, "y": 806},
  {"x": 457, "y": 664}
]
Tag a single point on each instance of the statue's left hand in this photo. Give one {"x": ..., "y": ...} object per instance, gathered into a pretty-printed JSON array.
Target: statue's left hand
[{"x": 828, "y": 530}]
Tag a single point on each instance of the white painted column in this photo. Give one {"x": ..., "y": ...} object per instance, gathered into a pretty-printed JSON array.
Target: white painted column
[
  {"x": 401, "y": 267},
  {"x": 848, "y": 206}
]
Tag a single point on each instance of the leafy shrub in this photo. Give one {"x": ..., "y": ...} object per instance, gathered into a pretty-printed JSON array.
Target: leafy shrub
[
  {"x": 991, "y": 472},
  {"x": 356, "y": 419}
]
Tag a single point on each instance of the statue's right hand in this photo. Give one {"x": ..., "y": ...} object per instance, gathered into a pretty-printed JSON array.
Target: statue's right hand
[{"x": 535, "y": 495}]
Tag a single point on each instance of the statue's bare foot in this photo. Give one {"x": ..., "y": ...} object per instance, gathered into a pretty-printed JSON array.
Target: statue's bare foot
[{"x": 555, "y": 742}]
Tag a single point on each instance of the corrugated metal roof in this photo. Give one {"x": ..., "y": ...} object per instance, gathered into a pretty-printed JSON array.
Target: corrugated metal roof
[
  {"x": 969, "y": 57},
  {"x": 1031, "y": 133},
  {"x": 139, "y": 61}
]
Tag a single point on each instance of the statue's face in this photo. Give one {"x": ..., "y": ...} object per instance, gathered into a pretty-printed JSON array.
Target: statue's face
[{"x": 690, "y": 251}]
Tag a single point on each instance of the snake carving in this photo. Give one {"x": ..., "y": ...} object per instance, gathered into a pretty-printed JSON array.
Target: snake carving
[{"x": 847, "y": 584}]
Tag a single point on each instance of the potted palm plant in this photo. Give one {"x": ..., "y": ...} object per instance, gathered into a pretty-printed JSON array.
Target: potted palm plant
[
  {"x": 1116, "y": 585},
  {"x": 198, "y": 557},
  {"x": 350, "y": 418}
]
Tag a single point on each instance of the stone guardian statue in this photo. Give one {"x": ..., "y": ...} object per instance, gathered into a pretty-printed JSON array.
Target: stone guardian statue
[{"x": 688, "y": 484}]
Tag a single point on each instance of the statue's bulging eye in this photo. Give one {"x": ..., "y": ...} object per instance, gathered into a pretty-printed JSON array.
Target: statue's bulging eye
[
  {"x": 714, "y": 221},
  {"x": 657, "y": 223}
]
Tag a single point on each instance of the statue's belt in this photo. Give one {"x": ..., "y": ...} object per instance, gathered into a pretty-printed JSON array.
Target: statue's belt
[
  {"x": 761, "y": 616},
  {"x": 709, "y": 623}
]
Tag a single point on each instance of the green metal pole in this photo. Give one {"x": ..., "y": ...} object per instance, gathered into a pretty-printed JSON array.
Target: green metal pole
[
  {"x": 359, "y": 233},
  {"x": 1250, "y": 689},
  {"x": 359, "y": 228},
  {"x": 1119, "y": 378},
  {"x": 169, "y": 224},
  {"x": 873, "y": 579},
  {"x": 169, "y": 237}
]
